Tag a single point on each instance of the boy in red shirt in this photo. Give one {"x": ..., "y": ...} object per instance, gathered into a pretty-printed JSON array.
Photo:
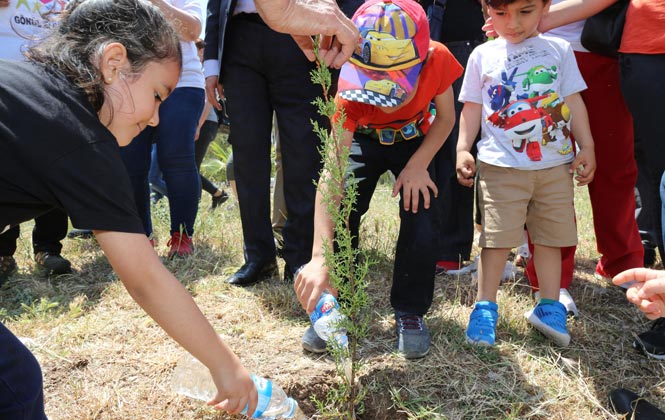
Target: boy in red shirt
[{"x": 386, "y": 91}]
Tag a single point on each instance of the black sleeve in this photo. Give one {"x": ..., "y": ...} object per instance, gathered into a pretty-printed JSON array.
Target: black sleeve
[{"x": 210, "y": 51}]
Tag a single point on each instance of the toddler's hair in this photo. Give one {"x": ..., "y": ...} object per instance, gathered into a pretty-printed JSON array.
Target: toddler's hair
[
  {"x": 75, "y": 46},
  {"x": 494, "y": 4}
]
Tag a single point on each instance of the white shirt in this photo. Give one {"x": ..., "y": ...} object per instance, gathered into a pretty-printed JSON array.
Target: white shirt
[
  {"x": 191, "y": 75},
  {"x": 24, "y": 22},
  {"x": 570, "y": 32},
  {"x": 522, "y": 88}
]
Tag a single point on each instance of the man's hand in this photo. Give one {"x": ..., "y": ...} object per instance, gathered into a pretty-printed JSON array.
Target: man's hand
[
  {"x": 213, "y": 90},
  {"x": 311, "y": 282},
  {"x": 647, "y": 291},
  {"x": 466, "y": 168},
  {"x": 413, "y": 181},
  {"x": 306, "y": 18}
]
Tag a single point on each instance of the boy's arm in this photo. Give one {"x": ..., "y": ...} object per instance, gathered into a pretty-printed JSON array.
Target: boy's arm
[
  {"x": 468, "y": 131},
  {"x": 414, "y": 178},
  {"x": 162, "y": 296},
  {"x": 313, "y": 278},
  {"x": 584, "y": 164}
]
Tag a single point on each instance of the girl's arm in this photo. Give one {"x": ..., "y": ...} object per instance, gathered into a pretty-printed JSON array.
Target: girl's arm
[
  {"x": 162, "y": 296},
  {"x": 187, "y": 26},
  {"x": 571, "y": 11}
]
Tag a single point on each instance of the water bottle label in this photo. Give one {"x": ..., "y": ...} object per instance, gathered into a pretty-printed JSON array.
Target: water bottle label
[
  {"x": 325, "y": 304},
  {"x": 264, "y": 389}
]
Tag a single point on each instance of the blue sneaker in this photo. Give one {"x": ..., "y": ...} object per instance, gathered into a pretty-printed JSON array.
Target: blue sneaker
[
  {"x": 550, "y": 319},
  {"x": 482, "y": 324}
]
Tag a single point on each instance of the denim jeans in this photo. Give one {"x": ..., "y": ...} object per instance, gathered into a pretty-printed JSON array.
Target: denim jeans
[{"x": 174, "y": 136}]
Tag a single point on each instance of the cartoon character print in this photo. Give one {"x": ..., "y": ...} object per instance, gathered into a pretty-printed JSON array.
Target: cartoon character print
[
  {"x": 500, "y": 93},
  {"x": 522, "y": 122},
  {"x": 538, "y": 115}
]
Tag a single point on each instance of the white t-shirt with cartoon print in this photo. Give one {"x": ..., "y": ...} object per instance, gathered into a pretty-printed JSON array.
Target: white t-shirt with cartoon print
[{"x": 525, "y": 121}]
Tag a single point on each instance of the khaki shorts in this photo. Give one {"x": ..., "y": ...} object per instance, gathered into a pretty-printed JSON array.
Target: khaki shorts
[{"x": 542, "y": 199}]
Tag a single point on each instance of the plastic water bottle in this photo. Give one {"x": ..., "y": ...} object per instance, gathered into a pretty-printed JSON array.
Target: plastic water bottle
[
  {"x": 326, "y": 320},
  {"x": 192, "y": 379}
]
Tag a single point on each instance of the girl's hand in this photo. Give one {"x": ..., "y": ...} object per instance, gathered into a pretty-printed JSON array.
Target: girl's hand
[{"x": 235, "y": 390}]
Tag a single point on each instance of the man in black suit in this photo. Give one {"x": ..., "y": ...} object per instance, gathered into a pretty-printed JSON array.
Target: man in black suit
[{"x": 262, "y": 71}]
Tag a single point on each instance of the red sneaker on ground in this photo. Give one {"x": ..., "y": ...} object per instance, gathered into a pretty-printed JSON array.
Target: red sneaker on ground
[
  {"x": 442, "y": 267},
  {"x": 181, "y": 245}
]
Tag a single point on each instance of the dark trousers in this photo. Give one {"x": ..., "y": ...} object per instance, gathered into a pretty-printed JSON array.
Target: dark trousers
[
  {"x": 415, "y": 254},
  {"x": 455, "y": 208},
  {"x": 206, "y": 136},
  {"x": 643, "y": 88},
  {"x": 264, "y": 71},
  {"x": 21, "y": 389},
  {"x": 50, "y": 228}
]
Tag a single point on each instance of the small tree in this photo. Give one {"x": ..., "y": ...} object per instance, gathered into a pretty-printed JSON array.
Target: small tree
[{"x": 347, "y": 267}]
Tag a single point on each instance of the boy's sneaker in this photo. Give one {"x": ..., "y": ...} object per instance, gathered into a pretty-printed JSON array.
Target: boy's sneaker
[
  {"x": 550, "y": 319},
  {"x": 312, "y": 342},
  {"x": 566, "y": 300},
  {"x": 601, "y": 274},
  {"x": 413, "y": 338},
  {"x": 7, "y": 267},
  {"x": 652, "y": 342},
  {"x": 181, "y": 245},
  {"x": 482, "y": 324},
  {"x": 53, "y": 263}
]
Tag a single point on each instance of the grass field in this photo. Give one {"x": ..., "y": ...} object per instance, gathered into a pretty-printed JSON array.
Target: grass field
[{"x": 103, "y": 358}]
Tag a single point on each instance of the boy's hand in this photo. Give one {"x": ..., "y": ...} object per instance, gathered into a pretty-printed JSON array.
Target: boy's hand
[
  {"x": 413, "y": 181},
  {"x": 312, "y": 280},
  {"x": 584, "y": 166},
  {"x": 466, "y": 168}
]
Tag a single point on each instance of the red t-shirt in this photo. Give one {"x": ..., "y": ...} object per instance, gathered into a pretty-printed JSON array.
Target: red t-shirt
[
  {"x": 439, "y": 72},
  {"x": 643, "y": 32}
]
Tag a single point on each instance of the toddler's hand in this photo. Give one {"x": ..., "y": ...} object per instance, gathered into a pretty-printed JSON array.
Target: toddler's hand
[
  {"x": 584, "y": 166},
  {"x": 466, "y": 168}
]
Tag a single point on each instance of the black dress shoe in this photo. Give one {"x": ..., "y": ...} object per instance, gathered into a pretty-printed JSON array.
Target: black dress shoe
[
  {"x": 629, "y": 403},
  {"x": 252, "y": 272}
]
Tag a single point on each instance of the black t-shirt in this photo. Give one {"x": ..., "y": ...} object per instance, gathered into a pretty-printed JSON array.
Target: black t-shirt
[{"x": 54, "y": 152}]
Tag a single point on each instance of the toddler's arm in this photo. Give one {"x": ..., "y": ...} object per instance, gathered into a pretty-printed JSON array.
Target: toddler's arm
[
  {"x": 468, "y": 131},
  {"x": 584, "y": 164}
]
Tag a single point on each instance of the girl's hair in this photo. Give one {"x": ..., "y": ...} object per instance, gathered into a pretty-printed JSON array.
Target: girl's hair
[{"x": 88, "y": 26}]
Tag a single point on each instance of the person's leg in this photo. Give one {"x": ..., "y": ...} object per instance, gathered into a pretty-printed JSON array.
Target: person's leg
[
  {"x": 178, "y": 119},
  {"x": 292, "y": 93},
  {"x": 7, "y": 249},
  {"x": 643, "y": 90},
  {"x": 50, "y": 228},
  {"x": 644, "y": 210},
  {"x": 612, "y": 190},
  {"x": 21, "y": 389},
  {"x": 455, "y": 212},
  {"x": 155, "y": 178},
  {"x": 136, "y": 157},
  {"x": 206, "y": 136},
  {"x": 250, "y": 109},
  {"x": 279, "y": 212}
]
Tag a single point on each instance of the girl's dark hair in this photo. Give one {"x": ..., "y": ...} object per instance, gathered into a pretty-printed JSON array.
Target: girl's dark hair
[{"x": 87, "y": 26}]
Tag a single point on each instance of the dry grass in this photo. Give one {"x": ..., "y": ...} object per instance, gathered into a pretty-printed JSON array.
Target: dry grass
[{"x": 103, "y": 358}]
